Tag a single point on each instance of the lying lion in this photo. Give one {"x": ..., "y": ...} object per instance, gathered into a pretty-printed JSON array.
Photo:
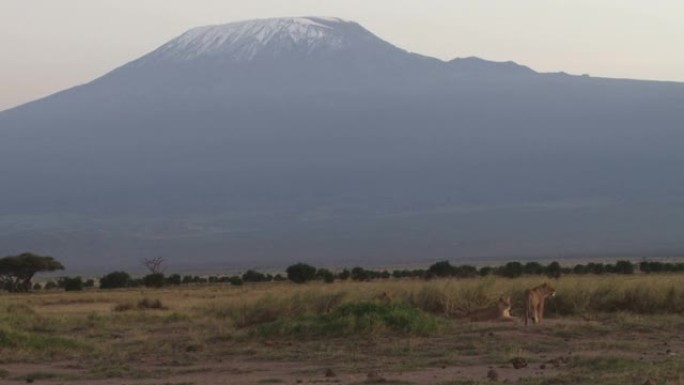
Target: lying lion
[{"x": 500, "y": 311}]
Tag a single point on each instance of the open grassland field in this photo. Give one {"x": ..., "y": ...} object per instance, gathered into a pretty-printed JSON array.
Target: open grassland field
[{"x": 597, "y": 330}]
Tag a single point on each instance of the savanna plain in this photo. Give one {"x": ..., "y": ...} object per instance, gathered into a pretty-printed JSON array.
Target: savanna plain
[{"x": 608, "y": 329}]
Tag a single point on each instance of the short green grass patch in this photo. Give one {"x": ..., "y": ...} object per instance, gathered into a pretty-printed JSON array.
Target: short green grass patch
[{"x": 358, "y": 318}]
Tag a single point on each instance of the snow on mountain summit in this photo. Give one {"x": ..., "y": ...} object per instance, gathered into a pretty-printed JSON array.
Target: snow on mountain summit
[{"x": 248, "y": 40}]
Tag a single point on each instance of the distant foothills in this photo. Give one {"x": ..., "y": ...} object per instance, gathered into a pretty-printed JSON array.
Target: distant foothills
[{"x": 258, "y": 143}]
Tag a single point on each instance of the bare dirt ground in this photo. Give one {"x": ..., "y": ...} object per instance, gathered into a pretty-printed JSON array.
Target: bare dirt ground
[{"x": 561, "y": 351}]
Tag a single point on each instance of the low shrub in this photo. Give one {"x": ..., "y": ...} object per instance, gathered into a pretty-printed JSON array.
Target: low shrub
[
  {"x": 155, "y": 280},
  {"x": 115, "y": 280},
  {"x": 145, "y": 303},
  {"x": 301, "y": 272},
  {"x": 72, "y": 284},
  {"x": 154, "y": 304},
  {"x": 121, "y": 307}
]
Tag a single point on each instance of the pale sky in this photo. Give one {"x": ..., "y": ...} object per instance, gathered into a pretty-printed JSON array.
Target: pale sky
[{"x": 50, "y": 45}]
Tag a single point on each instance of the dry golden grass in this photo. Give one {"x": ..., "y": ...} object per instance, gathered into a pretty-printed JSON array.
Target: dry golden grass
[
  {"x": 197, "y": 324},
  {"x": 451, "y": 297}
]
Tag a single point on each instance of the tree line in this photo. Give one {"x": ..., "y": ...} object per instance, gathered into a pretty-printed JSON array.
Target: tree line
[{"x": 17, "y": 272}]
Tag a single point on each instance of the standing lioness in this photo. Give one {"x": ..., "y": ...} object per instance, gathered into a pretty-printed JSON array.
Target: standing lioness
[{"x": 534, "y": 302}]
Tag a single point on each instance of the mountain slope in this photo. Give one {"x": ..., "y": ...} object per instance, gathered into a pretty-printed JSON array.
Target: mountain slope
[{"x": 312, "y": 138}]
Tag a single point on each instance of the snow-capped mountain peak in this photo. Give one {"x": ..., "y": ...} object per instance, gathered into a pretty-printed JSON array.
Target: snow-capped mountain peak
[{"x": 248, "y": 40}]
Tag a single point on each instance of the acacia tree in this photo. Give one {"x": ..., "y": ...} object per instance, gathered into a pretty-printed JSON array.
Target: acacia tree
[
  {"x": 16, "y": 271},
  {"x": 156, "y": 277},
  {"x": 154, "y": 265}
]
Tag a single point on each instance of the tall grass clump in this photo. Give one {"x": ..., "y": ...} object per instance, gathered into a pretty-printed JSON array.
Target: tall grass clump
[
  {"x": 7, "y": 339},
  {"x": 639, "y": 295},
  {"x": 265, "y": 310},
  {"x": 323, "y": 311},
  {"x": 318, "y": 309},
  {"x": 24, "y": 331},
  {"x": 649, "y": 300},
  {"x": 273, "y": 306},
  {"x": 456, "y": 298},
  {"x": 432, "y": 299}
]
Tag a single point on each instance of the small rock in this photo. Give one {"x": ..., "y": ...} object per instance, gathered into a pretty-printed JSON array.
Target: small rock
[
  {"x": 493, "y": 375},
  {"x": 542, "y": 366},
  {"x": 329, "y": 373},
  {"x": 649, "y": 382}
]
